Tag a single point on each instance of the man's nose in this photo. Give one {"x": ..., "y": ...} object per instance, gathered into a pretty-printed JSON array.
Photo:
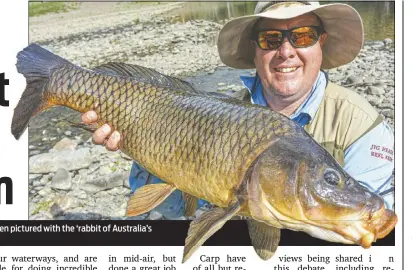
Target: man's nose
[{"x": 286, "y": 50}]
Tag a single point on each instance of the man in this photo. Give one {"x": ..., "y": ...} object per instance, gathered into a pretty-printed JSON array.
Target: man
[{"x": 289, "y": 44}]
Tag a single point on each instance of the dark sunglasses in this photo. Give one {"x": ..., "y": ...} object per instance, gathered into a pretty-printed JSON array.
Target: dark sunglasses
[{"x": 299, "y": 37}]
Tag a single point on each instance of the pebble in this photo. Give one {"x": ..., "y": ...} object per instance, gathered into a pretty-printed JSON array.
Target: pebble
[
  {"x": 389, "y": 113},
  {"x": 369, "y": 80},
  {"x": 61, "y": 180},
  {"x": 68, "y": 159},
  {"x": 353, "y": 79},
  {"x": 378, "y": 44},
  {"x": 374, "y": 100},
  {"x": 55, "y": 210},
  {"x": 36, "y": 183},
  {"x": 45, "y": 192},
  {"x": 154, "y": 215},
  {"x": 33, "y": 176},
  {"x": 81, "y": 194},
  {"x": 44, "y": 180},
  {"x": 65, "y": 144},
  {"x": 373, "y": 90},
  {"x": 384, "y": 74},
  {"x": 105, "y": 170},
  {"x": 386, "y": 105},
  {"x": 369, "y": 58},
  {"x": 63, "y": 203},
  {"x": 110, "y": 181},
  {"x": 379, "y": 84},
  {"x": 115, "y": 191},
  {"x": 381, "y": 68},
  {"x": 35, "y": 152},
  {"x": 39, "y": 216}
]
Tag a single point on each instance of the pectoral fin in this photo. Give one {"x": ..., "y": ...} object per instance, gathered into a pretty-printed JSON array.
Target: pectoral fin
[
  {"x": 148, "y": 197},
  {"x": 190, "y": 204},
  {"x": 205, "y": 226},
  {"x": 265, "y": 238}
]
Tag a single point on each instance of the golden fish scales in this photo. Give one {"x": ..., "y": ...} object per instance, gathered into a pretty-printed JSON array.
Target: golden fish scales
[{"x": 201, "y": 145}]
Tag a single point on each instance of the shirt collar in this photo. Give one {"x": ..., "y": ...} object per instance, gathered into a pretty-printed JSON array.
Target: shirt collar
[{"x": 309, "y": 106}]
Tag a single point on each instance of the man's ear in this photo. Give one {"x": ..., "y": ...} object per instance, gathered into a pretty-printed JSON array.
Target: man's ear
[{"x": 323, "y": 38}]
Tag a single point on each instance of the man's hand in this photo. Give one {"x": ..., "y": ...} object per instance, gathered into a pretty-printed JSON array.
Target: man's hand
[{"x": 103, "y": 135}]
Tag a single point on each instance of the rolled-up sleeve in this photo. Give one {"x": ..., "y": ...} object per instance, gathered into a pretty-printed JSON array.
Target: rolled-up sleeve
[{"x": 370, "y": 160}]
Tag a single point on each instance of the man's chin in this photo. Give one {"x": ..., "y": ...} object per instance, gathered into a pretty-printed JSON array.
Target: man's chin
[{"x": 285, "y": 92}]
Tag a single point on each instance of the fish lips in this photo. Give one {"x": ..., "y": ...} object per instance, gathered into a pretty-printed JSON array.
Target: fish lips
[
  {"x": 386, "y": 223},
  {"x": 379, "y": 227},
  {"x": 361, "y": 221},
  {"x": 378, "y": 220}
]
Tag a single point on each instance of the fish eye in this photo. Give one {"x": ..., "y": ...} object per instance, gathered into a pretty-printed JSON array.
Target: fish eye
[{"x": 331, "y": 177}]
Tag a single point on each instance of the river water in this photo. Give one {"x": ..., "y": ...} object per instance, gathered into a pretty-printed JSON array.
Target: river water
[{"x": 378, "y": 17}]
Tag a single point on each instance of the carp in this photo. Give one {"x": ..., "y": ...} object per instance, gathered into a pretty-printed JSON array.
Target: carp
[{"x": 245, "y": 159}]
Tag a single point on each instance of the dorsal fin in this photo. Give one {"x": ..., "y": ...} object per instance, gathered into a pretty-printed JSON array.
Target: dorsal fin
[
  {"x": 151, "y": 76},
  {"x": 147, "y": 75}
]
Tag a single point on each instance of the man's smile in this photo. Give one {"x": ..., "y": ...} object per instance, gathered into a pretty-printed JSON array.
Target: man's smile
[{"x": 286, "y": 69}]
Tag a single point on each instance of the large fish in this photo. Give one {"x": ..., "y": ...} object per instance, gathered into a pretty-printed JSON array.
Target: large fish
[{"x": 245, "y": 159}]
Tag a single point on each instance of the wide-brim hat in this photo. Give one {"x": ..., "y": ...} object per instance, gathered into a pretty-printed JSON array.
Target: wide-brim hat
[{"x": 341, "y": 22}]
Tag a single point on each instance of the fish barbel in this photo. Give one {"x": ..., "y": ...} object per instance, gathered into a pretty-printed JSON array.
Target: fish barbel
[{"x": 246, "y": 159}]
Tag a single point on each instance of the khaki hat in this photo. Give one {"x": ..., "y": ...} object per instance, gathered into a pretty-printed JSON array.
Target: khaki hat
[{"x": 341, "y": 22}]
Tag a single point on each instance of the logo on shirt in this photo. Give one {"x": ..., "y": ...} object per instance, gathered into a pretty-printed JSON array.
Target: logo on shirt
[{"x": 382, "y": 152}]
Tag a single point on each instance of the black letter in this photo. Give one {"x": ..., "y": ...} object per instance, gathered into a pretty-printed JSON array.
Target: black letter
[
  {"x": 3, "y": 82},
  {"x": 9, "y": 189}
]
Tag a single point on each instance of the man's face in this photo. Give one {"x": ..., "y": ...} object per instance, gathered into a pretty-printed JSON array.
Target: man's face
[{"x": 272, "y": 65}]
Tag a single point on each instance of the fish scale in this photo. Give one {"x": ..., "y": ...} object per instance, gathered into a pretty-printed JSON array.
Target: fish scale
[{"x": 161, "y": 129}]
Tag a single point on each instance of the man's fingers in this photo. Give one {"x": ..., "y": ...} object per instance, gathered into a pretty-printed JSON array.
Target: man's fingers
[
  {"x": 101, "y": 134},
  {"x": 113, "y": 142},
  {"x": 89, "y": 117}
]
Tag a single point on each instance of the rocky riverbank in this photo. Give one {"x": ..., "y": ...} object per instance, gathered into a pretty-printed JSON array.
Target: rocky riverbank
[{"x": 70, "y": 178}]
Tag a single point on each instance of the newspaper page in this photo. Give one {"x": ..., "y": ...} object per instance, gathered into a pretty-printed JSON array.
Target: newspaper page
[{"x": 164, "y": 192}]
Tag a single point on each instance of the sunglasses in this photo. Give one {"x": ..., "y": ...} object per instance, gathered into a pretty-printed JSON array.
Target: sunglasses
[{"x": 299, "y": 37}]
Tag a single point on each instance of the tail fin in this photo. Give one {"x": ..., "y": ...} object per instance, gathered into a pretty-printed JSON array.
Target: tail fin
[{"x": 36, "y": 64}]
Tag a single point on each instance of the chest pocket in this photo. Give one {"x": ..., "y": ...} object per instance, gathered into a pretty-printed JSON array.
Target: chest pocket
[{"x": 342, "y": 118}]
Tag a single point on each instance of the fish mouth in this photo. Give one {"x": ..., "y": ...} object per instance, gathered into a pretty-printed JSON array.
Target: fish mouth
[
  {"x": 357, "y": 229},
  {"x": 379, "y": 227},
  {"x": 386, "y": 228},
  {"x": 366, "y": 223}
]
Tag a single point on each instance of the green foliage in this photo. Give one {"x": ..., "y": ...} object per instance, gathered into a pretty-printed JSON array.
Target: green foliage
[
  {"x": 115, "y": 166},
  {"x": 41, "y": 8},
  {"x": 41, "y": 206}
]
